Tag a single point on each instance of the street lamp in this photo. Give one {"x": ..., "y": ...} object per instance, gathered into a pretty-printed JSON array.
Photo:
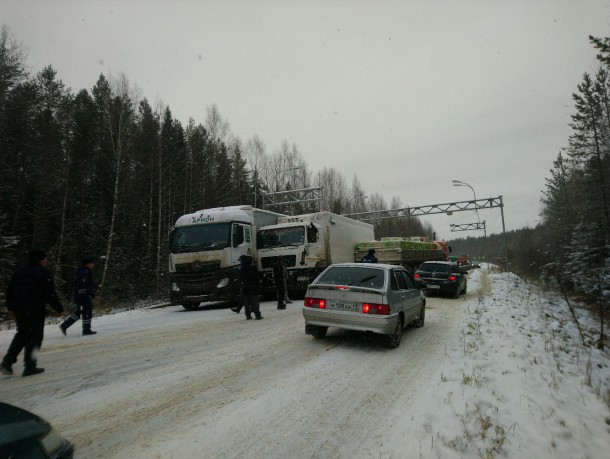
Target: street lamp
[{"x": 459, "y": 183}]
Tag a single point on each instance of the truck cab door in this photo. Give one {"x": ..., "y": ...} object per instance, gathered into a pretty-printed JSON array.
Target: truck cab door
[{"x": 241, "y": 242}]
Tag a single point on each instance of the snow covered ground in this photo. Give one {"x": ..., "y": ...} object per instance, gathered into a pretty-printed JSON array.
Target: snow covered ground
[{"x": 497, "y": 373}]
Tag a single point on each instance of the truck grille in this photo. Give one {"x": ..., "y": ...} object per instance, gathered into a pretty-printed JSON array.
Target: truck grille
[
  {"x": 270, "y": 262},
  {"x": 198, "y": 267}
]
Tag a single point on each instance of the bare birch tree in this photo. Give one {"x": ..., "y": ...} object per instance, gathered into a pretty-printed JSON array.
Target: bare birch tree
[{"x": 120, "y": 111}]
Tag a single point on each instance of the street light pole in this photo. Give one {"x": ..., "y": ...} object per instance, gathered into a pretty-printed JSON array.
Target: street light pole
[{"x": 460, "y": 183}]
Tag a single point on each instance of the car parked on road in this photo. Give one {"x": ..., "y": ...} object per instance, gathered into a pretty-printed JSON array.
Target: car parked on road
[
  {"x": 25, "y": 435},
  {"x": 371, "y": 297},
  {"x": 443, "y": 277}
]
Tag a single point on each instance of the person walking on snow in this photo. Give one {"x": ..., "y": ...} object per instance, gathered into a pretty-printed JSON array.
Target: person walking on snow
[
  {"x": 29, "y": 290},
  {"x": 250, "y": 288},
  {"x": 84, "y": 292},
  {"x": 279, "y": 277}
]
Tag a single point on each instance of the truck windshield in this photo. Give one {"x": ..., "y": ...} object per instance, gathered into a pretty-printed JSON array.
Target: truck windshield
[
  {"x": 199, "y": 238},
  {"x": 281, "y": 237}
]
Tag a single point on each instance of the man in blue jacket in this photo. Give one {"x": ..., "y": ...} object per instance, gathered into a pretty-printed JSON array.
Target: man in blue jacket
[
  {"x": 84, "y": 292},
  {"x": 369, "y": 257},
  {"x": 29, "y": 290}
]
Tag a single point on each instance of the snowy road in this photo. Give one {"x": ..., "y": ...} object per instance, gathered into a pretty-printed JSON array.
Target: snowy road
[{"x": 173, "y": 383}]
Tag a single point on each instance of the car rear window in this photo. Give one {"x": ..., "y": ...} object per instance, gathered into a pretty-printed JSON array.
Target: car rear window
[
  {"x": 436, "y": 268},
  {"x": 357, "y": 277}
]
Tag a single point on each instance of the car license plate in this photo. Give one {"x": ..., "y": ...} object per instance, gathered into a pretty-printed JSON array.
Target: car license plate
[
  {"x": 344, "y": 305},
  {"x": 433, "y": 286}
]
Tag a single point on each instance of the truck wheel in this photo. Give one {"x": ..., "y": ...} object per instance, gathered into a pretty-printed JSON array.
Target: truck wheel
[
  {"x": 190, "y": 306},
  {"x": 394, "y": 338},
  {"x": 419, "y": 323}
]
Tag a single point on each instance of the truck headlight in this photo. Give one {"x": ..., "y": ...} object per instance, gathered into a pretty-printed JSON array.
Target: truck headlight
[
  {"x": 223, "y": 283},
  {"x": 175, "y": 287}
]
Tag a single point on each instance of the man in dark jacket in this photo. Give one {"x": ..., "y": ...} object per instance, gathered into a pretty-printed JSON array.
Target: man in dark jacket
[
  {"x": 279, "y": 277},
  {"x": 29, "y": 290},
  {"x": 369, "y": 257},
  {"x": 250, "y": 287},
  {"x": 84, "y": 292}
]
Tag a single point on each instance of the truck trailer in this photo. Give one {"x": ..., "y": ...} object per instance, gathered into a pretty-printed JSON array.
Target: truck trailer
[
  {"x": 204, "y": 251},
  {"x": 407, "y": 252},
  {"x": 308, "y": 243}
]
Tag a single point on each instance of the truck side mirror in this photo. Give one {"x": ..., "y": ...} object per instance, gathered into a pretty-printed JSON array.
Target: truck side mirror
[{"x": 170, "y": 237}]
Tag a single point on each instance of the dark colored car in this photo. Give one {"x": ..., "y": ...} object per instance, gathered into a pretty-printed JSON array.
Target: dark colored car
[
  {"x": 25, "y": 435},
  {"x": 443, "y": 277}
]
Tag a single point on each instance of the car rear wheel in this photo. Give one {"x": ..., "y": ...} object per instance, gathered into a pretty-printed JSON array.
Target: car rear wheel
[
  {"x": 419, "y": 323},
  {"x": 318, "y": 332},
  {"x": 465, "y": 288},
  {"x": 456, "y": 294},
  {"x": 394, "y": 338}
]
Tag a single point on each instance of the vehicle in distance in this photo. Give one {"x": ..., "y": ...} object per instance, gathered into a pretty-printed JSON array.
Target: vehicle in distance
[
  {"x": 25, "y": 435},
  {"x": 463, "y": 262},
  {"x": 443, "y": 277},
  {"x": 369, "y": 297}
]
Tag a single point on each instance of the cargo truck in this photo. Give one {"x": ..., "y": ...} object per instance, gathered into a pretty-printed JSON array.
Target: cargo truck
[
  {"x": 407, "y": 252},
  {"x": 205, "y": 247},
  {"x": 308, "y": 243}
]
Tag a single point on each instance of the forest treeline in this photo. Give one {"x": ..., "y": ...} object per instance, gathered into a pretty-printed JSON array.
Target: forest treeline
[
  {"x": 570, "y": 249},
  {"x": 103, "y": 172}
]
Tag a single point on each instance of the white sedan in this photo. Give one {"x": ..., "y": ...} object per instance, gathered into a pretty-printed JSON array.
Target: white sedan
[{"x": 364, "y": 296}]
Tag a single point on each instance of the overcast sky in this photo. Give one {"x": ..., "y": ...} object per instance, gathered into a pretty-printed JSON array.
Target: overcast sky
[{"x": 407, "y": 95}]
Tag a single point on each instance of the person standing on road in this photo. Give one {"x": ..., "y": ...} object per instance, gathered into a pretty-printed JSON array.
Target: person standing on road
[
  {"x": 250, "y": 287},
  {"x": 84, "y": 292},
  {"x": 29, "y": 290},
  {"x": 279, "y": 278},
  {"x": 369, "y": 257}
]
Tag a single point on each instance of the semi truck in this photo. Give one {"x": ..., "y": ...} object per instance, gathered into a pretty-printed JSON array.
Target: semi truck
[
  {"x": 408, "y": 252},
  {"x": 204, "y": 251},
  {"x": 307, "y": 244}
]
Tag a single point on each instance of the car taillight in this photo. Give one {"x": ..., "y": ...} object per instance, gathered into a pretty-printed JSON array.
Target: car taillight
[
  {"x": 451, "y": 278},
  {"x": 373, "y": 308},
  {"x": 417, "y": 276},
  {"x": 315, "y": 303}
]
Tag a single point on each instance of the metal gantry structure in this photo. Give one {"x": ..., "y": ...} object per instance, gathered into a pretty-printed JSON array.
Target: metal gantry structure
[
  {"x": 446, "y": 208},
  {"x": 291, "y": 197},
  {"x": 469, "y": 227}
]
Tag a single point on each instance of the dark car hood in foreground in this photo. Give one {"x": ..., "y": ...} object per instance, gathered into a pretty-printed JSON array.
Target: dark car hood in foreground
[
  {"x": 17, "y": 424},
  {"x": 20, "y": 432}
]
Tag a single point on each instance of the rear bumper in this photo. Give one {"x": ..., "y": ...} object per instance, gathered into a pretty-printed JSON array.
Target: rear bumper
[
  {"x": 439, "y": 287},
  {"x": 350, "y": 321}
]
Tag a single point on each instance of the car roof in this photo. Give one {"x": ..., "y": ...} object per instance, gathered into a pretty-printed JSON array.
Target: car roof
[
  {"x": 439, "y": 262},
  {"x": 367, "y": 265}
]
